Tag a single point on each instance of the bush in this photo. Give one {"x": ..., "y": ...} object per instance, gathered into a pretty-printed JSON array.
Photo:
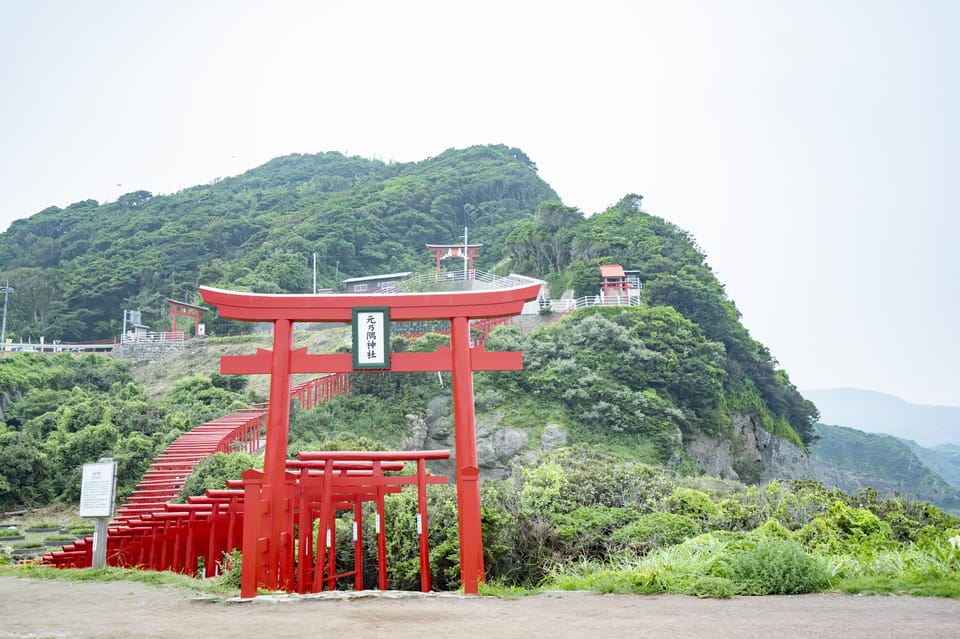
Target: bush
[
  {"x": 844, "y": 529},
  {"x": 774, "y": 567},
  {"x": 656, "y": 530},
  {"x": 589, "y": 530},
  {"x": 214, "y": 470},
  {"x": 691, "y": 502}
]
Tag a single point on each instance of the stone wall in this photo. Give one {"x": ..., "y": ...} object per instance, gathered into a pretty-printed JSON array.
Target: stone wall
[{"x": 152, "y": 352}]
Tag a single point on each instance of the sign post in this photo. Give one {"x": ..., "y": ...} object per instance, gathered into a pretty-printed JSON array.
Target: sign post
[{"x": 98, "y": 491}]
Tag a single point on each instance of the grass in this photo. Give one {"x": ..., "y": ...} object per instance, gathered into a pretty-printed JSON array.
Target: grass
[
  {"x": 505, "y": 591},
  {"x": 910, "y": 583},
  {"x": 109, "y": 574},
  {"x": 707, "y": 566}
]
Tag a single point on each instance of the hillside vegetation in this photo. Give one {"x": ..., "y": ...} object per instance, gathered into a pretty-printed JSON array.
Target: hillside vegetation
[
  {"x": 621, "y": 507},
  {"x": 76, "y": 269}
]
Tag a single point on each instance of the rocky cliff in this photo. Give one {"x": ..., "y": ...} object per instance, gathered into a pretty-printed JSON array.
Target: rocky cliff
[{"x": 751, "y": 454}]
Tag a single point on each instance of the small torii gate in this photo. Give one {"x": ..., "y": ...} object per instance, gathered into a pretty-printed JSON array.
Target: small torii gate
[
  {"x": 462, "y": 251},
  {"x": 371, "y": 316},
  {"x": 186, "y": 310}
]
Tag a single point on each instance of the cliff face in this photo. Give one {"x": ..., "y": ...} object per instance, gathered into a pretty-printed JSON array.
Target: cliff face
[{"x": 752, "y": 454}]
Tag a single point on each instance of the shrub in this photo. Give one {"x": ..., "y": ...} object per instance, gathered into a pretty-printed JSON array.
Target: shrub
[
  {"x": 691, "y": 502},
  {"x": 214, "y": 470},
  {"x": 844, "y": 529},
  {"x": 656, "y": 530},
  {"x": 774, "y": 567},
  {"x": 589, "y": 530}
]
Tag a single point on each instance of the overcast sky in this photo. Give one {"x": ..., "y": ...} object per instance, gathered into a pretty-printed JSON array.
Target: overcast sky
[{"x": 811, "y": 147}]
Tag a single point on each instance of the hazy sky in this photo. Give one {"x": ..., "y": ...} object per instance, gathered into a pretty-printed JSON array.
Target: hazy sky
[{"x": 811, "y": 147}]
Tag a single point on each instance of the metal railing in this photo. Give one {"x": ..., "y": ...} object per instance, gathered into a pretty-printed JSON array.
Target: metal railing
[
  {"x": 158, "y": 337},
  {"x": 456, "y": 280},
  {"x": 92, "y": 347}
]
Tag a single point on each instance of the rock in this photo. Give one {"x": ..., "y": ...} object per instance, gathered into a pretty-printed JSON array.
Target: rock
[
  {"x": 416, "y": 437},
  {"x": 758, "y": 454},
  {"x": 554, "y": 436}
]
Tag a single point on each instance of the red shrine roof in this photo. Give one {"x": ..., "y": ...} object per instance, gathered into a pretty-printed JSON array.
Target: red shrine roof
[{"x": 611, "y": 270}]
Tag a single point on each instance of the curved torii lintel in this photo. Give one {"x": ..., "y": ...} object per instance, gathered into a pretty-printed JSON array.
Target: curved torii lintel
[{"x": 263, "y": 307}]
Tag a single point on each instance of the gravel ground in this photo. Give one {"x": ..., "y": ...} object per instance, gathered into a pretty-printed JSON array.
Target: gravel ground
[{"x": 38, "y": 609}]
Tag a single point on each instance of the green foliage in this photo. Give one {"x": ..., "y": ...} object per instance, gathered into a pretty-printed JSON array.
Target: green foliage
[
  {"x": 691, "y": 502},
  {"x": 357, "y": 415},
  {"x": 213, "y": 471},
  {"x": 633, "y": 375},
  {"x": 74, "y": 268},
  {"x": 200, "y": 400},
  {"x": 882, "y": 461},
  {"x": 64, "y": 411},
  {"x": 774, "y": 566},
  {"x": 656, "y": 530},
  {"x": 843, "y": 528}
]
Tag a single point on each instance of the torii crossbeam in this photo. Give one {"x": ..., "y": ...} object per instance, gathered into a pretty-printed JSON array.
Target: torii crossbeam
[{"x": 282, "y": 361}]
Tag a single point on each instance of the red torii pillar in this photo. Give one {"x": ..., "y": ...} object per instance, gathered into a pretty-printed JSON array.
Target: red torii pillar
[{"x": 283, "y": 361}]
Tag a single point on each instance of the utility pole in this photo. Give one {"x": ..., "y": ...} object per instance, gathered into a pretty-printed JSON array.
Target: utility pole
[
  {"x": 314, "y": 273},
  {"x": 3, "y": 331}
]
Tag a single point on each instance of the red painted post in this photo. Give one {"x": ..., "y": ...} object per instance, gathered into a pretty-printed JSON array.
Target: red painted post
[
  {"x": 381, "y": 525},
  {"x": 321, "y": 565},
  {"x": 278, "y": 411},
  {"x": 468, "y": 470},
  {"x": 358, "y": 544},
  {"x": 252, "y": 515},
  {"x": 425, "y": 584},
  {"x": 305, "y": 536}
]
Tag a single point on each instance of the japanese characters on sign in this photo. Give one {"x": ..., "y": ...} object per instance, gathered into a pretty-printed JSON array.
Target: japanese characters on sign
[
  {"x": 371, "y": 337},
  {"x": 98, "y": 488}
]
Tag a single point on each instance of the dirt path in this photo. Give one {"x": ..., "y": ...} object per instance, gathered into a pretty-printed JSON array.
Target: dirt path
[{"x": 39, "y": 609}]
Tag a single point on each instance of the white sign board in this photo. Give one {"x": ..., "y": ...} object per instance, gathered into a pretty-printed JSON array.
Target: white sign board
[
  {"x": 97, "y": 489},
  {"x": 371, "y": 337}
]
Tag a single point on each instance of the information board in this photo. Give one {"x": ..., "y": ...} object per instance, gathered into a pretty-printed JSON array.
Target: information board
[
  {"x": 371, "y": 338},
  {"x": 98, "y": 488}
]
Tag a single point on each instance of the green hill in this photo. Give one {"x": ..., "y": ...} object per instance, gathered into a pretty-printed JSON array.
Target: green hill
[
  {"x": 76, "y": 269},
  {"x": 644, "y": 381},
  {"x": 851, "y": 460}
]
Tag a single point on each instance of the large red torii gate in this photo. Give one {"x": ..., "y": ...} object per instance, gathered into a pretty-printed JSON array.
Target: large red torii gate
[{"x": 461, "y": 358}]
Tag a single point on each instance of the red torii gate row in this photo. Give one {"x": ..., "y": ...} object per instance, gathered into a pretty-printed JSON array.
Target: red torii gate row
[
  {"x": 192, "y": 538},
  {"x": 315, "y": 391},
  {"x": 320, "y": 484},
  {"x": 273, "y": 540}
]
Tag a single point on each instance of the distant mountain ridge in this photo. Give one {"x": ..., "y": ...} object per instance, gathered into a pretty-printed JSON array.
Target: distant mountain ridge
[
  {"x": 874, "y": 412},
  {"x": 851, "y": 460}
]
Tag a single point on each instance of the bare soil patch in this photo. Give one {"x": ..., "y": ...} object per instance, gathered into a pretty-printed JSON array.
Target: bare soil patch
[{"x": 33, "y": 609}]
